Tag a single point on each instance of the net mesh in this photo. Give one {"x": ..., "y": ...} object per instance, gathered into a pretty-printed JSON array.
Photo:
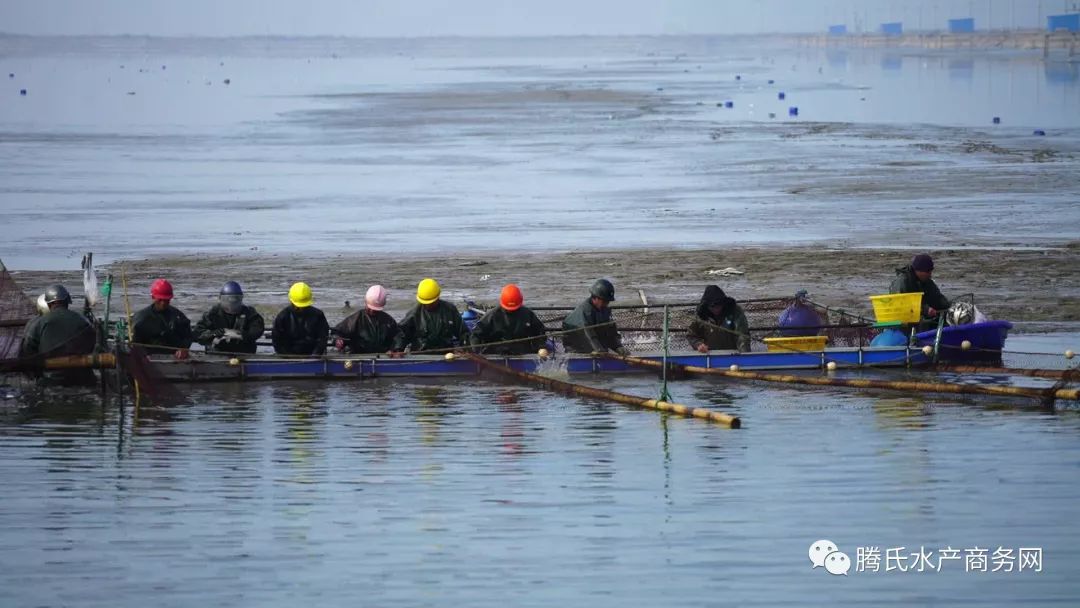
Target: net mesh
[
  {"x": 641, "y": 327},
  {"x": 15, "y": 311}
]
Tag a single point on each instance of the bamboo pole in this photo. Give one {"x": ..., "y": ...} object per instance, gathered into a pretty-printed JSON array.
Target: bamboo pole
[
  {"x": 98, "y": 361},
  {"x": 1012, "y": 371},
  {"x": 569, "y": 388},
  {"x": 893, "y": 385}
]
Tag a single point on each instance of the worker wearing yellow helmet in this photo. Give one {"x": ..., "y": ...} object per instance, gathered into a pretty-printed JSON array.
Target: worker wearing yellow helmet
[
  {"x": 432, "y": 324},
  {"x": 300, "y": 328}
]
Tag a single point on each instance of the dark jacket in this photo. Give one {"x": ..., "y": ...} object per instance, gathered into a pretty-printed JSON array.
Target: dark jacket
[
  {"x": 424, "y": 329},
  {"x": 729, "y": 331},
  {"x": 907, "y": 282},
  {"x": 168, "y": 330},
  {"x": 367, "y": 332},
  {"x": 300, "y": 331},
  {"x": 500, "y": 324},
  {"x": 214, "y": 322},
  {"x": 59, "y": 333},
  {"x": 583, "y": 338}
]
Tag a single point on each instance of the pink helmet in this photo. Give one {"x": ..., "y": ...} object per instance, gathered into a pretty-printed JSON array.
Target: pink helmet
[{"x": 375, "y": 297}]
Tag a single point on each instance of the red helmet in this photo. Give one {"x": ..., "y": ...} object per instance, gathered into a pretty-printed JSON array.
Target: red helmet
[
  {"x": 511, "y": 298},
  {"x": 161, "y": 290}
]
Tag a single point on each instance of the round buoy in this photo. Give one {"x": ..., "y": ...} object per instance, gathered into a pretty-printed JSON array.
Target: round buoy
[
  {"x": 927, "y": 350},
  {"x": 348, "y": 365},
  {"x": 734, "y": 367},
  {"x": 1069, "y": 354},
  {"x": 234, "y": 362},
  {"x": 449, "y": 356},
  {"x": 543, "y": 353},
  {"x": 965, "y": 345},
  {"x": 831, "y": 366}
]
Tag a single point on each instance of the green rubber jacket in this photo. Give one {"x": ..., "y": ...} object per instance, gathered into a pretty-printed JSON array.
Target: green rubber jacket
[
  {"x": 499, "y": 325},
  {"x": 367, "y": 331},
  {"x": 164, "y": 331},
  {"x": 424, "y": 329},
  {"x": 583, "y": 337},
  {"x": 215, "y": 321},
  {"x": 59, "y": 333}
]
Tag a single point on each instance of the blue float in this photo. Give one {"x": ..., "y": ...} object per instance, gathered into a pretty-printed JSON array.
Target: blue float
[
  {"x": 781, "y": 95},
  {"x": 1039, "y": 133},
  {"x": 793, "y": 111},
  {"x": 22, "y": 92},
  {"x": 997, "y": 120},
  {"x": 729, "y": 104}
]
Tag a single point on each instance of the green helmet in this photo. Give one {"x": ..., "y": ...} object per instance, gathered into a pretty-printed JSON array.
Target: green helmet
[{"x": 603, "y": 289}]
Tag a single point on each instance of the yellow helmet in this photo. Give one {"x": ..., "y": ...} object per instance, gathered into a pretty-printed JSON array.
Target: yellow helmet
[
  {"x": 300, "y": 295},
  {"x": 427, "y": 291}
]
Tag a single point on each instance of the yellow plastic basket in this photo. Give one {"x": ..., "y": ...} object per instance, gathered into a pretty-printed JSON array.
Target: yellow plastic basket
[
  {"x": 801, "y": 344},
  {"x": 902, "y": 307}
]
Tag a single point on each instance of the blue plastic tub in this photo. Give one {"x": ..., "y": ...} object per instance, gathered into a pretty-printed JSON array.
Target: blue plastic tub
[{"x": 987, "y": 341}]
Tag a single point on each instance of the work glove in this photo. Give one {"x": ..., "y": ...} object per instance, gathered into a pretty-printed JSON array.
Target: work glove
[
  {"x": 232, "y": 334},
  {"x": 340, "y": 344}
]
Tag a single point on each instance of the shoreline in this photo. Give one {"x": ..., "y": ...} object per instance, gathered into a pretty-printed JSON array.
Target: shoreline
[{"x": 1030, "y": 285}]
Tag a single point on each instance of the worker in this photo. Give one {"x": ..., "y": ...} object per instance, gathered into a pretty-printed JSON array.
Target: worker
[
  {"x": 916, "y": 278},
  {"x": 719, "y": 324},
  {"x": 370, "y": 329},
  {"x": 590, "y": 326},
  {"x": 300, "y": 328},
  {"x": 433, "y": 324},
  {"x": 160, "y": 327},
  {"x": 60, "y": 332},
  {"x": 230, "y": 326},
  {"x": 512, "y": 323}
]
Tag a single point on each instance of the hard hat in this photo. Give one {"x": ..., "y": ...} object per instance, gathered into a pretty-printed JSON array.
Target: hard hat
[
  {"x": 375, "y": 298},
  {"x": 510, "y": 298},
  {"x": 57, "y": 293},
  {"x": 300, "y": 295},
  {"x": 161, "y": 290},
  {"x": 232, "y": 298},
  {"x": 603, "y": 289},
  {"x": 427, "y": 291}
]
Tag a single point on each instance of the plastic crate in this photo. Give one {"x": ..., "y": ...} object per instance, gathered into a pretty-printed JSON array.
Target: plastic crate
[{"x": 901, "y": 307}]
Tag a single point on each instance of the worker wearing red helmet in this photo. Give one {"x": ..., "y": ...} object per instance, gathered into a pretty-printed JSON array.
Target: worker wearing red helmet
[
  {"x": 160, "y": 327},
  {"x": 510, "y": 329}
]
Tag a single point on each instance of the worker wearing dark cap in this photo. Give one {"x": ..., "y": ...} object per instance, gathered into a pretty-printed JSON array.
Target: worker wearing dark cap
[{"x": 915, "y": 277}]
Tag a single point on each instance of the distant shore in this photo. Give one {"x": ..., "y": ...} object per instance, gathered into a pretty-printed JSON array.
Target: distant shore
[{"x": 1060, "y": 42}]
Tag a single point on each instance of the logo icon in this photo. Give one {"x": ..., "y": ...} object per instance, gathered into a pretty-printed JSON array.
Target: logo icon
[{"x": 824, "y": 554}]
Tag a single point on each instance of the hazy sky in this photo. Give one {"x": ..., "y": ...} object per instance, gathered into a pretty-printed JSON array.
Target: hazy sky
[{"x": 497, "y": 17}]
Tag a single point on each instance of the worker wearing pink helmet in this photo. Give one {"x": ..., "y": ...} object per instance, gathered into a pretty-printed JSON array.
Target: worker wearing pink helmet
[{"x": 369, "y": 330}]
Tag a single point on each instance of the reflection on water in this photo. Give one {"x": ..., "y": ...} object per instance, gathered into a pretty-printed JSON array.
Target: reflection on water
[
  {"x": 488, "y": 493},
  {"x": 1062, "y": 72}
]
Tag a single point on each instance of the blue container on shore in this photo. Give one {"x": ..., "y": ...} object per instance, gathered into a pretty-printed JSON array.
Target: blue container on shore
[
  {"x": 781, "y": 95},
  {"x": 1039, "y": 133},
  {"x": 997, "y": 120},
  {"x": 729, "y": 104},
  {"x": 793, "y": 111}
]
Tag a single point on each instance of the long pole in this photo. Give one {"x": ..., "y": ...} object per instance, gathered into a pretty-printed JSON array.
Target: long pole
[
  {"x": 893, "y": 385},
  {"x": 568, "y": 388}
]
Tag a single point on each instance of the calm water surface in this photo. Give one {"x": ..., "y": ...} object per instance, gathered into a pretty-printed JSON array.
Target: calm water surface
[{"x": 487, "y": 494}]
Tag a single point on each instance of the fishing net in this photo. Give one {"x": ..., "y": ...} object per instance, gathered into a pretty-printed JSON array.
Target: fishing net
[
  {"x": 16, "y": 310},
  {"x": 641, "y": 327}
]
